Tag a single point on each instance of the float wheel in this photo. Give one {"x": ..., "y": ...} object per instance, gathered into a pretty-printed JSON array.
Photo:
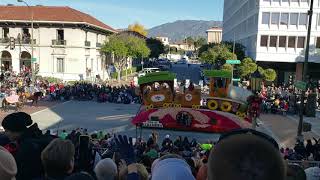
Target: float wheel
[
  {"x": 226, "y": 106},
  {"x": 166, "y": 105},
  {"x": 212, "y": 104}
]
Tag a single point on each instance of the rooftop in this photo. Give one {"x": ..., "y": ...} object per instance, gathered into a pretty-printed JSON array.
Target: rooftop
[
  {"x": 50, "y": 14},
  {"x": 214, "y": 29}
]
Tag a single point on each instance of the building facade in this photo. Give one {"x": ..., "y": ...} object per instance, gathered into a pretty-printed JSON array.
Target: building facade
[
  {"x": 274, "y": 32},
  {"x": 214, "y": 35},
  {"x": 66, "y": 42},
  {"x": 164, "y": 40}
]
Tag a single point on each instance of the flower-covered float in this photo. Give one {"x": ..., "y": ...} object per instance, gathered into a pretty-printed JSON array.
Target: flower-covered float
[{"x": 225, "y": 108}]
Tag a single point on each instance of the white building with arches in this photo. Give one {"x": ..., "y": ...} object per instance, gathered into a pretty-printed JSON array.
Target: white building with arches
[{"x": 66, "y": 41}]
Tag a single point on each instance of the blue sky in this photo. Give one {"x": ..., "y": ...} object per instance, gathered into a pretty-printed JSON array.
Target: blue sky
[{"x": 121, "y": 13}]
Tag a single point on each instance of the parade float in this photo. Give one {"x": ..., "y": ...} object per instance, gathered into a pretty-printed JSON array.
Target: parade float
[{"x": 222, "y": 110}]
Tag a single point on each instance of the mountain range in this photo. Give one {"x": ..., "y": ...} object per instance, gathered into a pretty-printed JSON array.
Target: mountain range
[{"x": 179, "y": 30}]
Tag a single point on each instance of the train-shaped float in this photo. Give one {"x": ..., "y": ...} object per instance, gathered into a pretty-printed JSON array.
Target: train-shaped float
[{"x": 223, "y": 110}]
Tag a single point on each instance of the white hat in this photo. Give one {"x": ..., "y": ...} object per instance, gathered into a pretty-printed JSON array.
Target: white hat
[
  {"x": 167, "y": 136},
  {"x": 8, "y": 166}
]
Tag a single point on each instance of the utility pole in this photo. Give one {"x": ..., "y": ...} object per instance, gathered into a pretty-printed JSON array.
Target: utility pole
[{"x": 305, "y": 73}]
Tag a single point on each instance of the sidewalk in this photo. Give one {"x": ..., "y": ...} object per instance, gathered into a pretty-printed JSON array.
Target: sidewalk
[
  {"x": 314, "y": 121},
  {"x": 284, "y": 129}
]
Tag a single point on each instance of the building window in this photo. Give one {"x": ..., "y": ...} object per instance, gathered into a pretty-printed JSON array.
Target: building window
[
  {"x": 318, "y": 43},
  {"x": 294, "y": 1},
  {"x": 60, "y": 34},
  {"x": 282, "y": 41},
  {"x": 273, "y": 41},
  {"x": 60, "y": 65},
  {"x": 276, "y": 0},
  {"x": 294, "y": 18},
  {"x": 303, "y": 19},
  {"x": 264, "y": 41},
  {"x": 275, "y": 18},
  {"x": 284, "y": 19},
  {"x": 266, "y": 0},
  {"x": 292, "y": 42},
  {"x": 5, "y": 32},
  {"x": 284, "y": 1},
  {"x": 266, "y": 18},
  {"x": 301, "y": 42}
]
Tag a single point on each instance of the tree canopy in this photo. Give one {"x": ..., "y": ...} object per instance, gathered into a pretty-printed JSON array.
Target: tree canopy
[
  {"x": 123, "y": 47},
  {"x": 217, "y": 55},
  {"x": 239, "y": 48},
  {"x": 247, "y": 67},
  {"x": 139, "y": 28},
  {"x": 156, "y": 47}
]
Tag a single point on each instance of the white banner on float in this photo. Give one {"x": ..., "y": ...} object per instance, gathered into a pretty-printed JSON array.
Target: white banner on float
[
  {"x": 175, "y": 83},
  {"x": 187, "y": 83}
]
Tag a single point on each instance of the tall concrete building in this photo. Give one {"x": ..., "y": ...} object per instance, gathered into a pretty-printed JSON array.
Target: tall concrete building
[
  {"x": 214, "y": 35},
  {"x": 274, "y": 33}
]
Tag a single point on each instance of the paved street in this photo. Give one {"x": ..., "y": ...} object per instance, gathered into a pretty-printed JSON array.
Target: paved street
[
  {"x": 284, "y": 128},
  {"x": 116, "y": 117},
  {"x": 95, "y": 116},
  {"x": 185, "y": 72}
]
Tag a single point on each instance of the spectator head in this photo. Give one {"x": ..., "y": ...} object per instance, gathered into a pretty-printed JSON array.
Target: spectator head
[
  {"x": 295, "y": 172},
  {"x": 8, "y": 166},
  {"x": 167, "y": 136},
  {"x": 245, "y": 156},
  {"x": 58, "y": 158},
  {"x": 171, "y": 167},
  {"x": 16, "y": 124},
  {"x": 80, "y": 176},
  {"x": 141, "y": 170},
  {"x": 313, "y": 173},
  {"x": 106, "y": 169}
]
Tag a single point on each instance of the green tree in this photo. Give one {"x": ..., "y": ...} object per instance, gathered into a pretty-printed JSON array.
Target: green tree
[
  {"x": 200, "y": 42},
  {"x": 270, "y": 74},
  {"x": 247, "y": 67},
  {"x": 227, "y": 67},
  {"x": 239, "y": 48},
  {"x": 124, "y": 47},
  {"x": 217, "y": 55},
  {"x": 156, "y": 47},
  {"x": 139, "y": 28}
]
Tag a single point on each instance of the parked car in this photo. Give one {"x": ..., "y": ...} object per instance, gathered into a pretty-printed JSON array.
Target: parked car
[
  {"x": 182, "y": 61},
  {"x": 147, "y": 71}
]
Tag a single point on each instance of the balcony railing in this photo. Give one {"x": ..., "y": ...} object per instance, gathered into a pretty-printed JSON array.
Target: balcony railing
[
  {"x": 4, "y": 40},
  {"x": 98, "y": 44},
  {"x": 57, "y": 42},
  {"x": 27, "y": 41},
  {"x": 87, "y": 43}
]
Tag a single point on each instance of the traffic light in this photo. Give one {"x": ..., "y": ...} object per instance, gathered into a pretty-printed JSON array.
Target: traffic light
[
  {"x": 236, "y": 73},
  {"x": 290, "y": 80},
  {"x": 12, "y": 43}
]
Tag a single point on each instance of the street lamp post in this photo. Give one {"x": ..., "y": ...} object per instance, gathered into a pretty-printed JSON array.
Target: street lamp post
[
  {"x": 32, "y": 45},
  {"x": 305, "y": 72}
]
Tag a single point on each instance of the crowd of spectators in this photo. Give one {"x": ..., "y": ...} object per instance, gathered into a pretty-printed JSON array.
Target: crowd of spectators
[
  {"x": 283, "y": 100},
  {"x": 28, "y": 154},
  {"x": 101, "y": 92}
]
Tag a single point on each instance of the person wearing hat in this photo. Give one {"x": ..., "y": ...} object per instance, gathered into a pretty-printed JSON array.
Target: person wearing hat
[
  {"x": 28, "y": 142},
  {"x": 8, "y": 166}
]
